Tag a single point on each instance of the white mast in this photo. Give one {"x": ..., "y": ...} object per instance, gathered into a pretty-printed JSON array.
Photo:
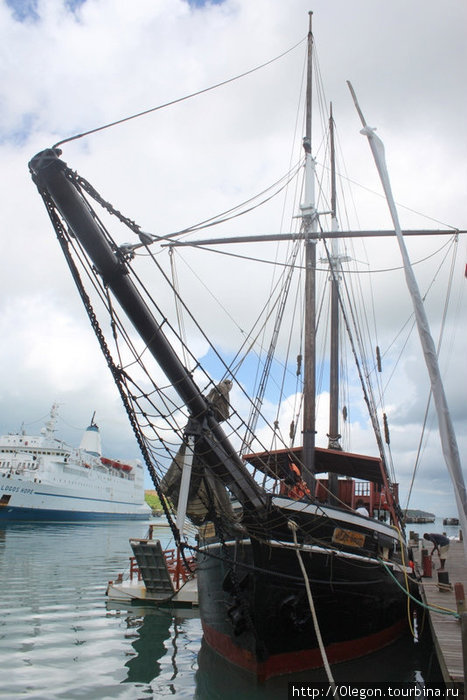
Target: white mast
[{"x": 446, "y": 428}]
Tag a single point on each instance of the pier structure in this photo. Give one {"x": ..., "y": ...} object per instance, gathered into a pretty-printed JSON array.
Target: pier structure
[{"x": 444, "y": 589}]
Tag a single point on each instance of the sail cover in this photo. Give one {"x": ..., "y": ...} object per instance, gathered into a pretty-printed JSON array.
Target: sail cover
[{"x": 207, "y": 497}]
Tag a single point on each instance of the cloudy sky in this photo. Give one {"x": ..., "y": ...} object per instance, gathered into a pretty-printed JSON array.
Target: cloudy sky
[{"x": 71, "y": 65}]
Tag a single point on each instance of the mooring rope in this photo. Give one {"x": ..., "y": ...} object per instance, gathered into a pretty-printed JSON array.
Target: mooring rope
[{"x": 293, "y": 526}]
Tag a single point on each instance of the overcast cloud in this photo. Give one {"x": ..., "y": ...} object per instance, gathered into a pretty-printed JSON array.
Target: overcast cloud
[{"x": 70, "y": 66}]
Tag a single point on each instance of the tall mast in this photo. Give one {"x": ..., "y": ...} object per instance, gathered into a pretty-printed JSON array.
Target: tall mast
[
  {"x": 334, "y": 276},
  {"x": 309, "y": 228},
  {"x": 446, "y": 428},
  {"x": 333, "y": 436}
]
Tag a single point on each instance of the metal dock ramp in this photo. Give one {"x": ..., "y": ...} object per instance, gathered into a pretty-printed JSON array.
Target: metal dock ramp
[{"x": 152, "y": 564}]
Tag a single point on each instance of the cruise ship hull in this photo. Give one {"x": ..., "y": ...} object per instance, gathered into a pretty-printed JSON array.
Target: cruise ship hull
[{"x": 22, "y": 500}]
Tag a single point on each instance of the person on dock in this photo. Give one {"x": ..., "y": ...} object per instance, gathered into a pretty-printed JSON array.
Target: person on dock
[{"x": 440, "y": 545}]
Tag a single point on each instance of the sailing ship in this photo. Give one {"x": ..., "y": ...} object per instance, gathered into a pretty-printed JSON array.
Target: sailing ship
[
  {"x": 302, "y": 559},
  {"x": 42, "y": 478}
]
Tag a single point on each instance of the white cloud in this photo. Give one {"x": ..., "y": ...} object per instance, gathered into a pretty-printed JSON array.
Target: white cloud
[{"x": 63, "y": 71}]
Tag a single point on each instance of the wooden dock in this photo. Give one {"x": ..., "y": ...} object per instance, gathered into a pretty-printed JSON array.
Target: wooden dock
[{"x": 446, "y": 629}]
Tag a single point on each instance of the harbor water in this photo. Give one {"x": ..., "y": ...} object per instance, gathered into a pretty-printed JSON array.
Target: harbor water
[{"x": 60, "y": 638}]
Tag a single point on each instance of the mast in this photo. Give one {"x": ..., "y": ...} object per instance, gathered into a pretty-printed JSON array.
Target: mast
[
  {"x": 445, "y": 425},
  {"x": 309, "y": 228},
  {"x": 334, "y": 266},
  {"x": 334, "y": 269}
]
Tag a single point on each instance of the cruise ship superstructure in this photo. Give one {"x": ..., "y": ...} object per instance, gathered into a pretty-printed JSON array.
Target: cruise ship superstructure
[{"x": 44, "y": 478}]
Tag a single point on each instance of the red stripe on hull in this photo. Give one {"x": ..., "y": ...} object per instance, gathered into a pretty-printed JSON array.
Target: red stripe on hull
[{"x": 293, "y": 662}]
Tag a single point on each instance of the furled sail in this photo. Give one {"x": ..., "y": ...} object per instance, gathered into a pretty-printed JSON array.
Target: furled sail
[
  {"x": 207, "y": 496},
  {"x": 446, "y": 429}
]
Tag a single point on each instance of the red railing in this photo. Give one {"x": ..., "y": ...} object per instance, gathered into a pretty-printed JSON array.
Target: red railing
[{"x": 176, "y": 567}]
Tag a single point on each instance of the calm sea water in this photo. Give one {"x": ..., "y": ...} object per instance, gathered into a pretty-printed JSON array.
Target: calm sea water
[{"x": 59, "y": 638}]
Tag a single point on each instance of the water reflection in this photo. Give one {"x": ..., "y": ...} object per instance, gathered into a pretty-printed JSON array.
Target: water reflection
[
  {"x": 149, "y": 634},
  {"x": 405, "y": 660},
  {"x": 160, "y": 642}
]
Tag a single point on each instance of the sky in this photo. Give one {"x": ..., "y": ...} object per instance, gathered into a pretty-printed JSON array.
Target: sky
[{"x": 70, "y": 66}]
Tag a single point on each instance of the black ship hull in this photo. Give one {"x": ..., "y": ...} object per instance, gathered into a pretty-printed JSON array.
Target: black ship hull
[{"x": 255, "y": 609}]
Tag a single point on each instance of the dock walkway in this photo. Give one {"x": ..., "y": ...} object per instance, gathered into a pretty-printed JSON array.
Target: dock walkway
[{"x": 446, "y": 629}]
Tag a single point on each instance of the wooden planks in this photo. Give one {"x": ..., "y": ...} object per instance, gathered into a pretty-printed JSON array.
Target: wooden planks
[{"x": 446, "y": 629}]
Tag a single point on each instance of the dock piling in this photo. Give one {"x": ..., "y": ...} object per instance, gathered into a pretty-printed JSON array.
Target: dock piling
[
  {"x": 460, "y": 597},
  {"x": 426, "y": 564}
]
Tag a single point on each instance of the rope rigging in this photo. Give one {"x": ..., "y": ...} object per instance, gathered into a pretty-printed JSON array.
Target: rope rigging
[
  {"x": 152, "y": 408},
  {"x": 167, "y": 380},
  {"x": 131, "y": 399},
  {"x": 179, "y": 99},
  {"x": 355, "y": 339},
  {"x": 118, "y": 375},
  {"x": 256, "y": 408},
  {"x": 160, "y": 401},
  {"x": 84, "y": 185},
  {"x": 120, "y": 369},
  {"x": 438, "y": 349},
  {"x": 132, "y": 392}
]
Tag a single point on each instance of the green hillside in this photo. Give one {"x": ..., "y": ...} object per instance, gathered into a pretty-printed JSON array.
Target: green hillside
[{"x": 153, "y": 501}]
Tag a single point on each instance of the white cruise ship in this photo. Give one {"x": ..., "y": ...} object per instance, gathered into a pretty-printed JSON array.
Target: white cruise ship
[{"x": 43, "y": 478}]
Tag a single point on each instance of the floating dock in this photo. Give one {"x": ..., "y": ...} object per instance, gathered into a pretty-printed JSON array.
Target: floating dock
[
  {"x": 438, "y": 591},
  {"x": 156, "y": 576},
  {"x": 135, "y": 592}
]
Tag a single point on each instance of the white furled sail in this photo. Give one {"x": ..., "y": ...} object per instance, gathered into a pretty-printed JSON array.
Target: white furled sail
[{"x": 446, "y": 429}]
